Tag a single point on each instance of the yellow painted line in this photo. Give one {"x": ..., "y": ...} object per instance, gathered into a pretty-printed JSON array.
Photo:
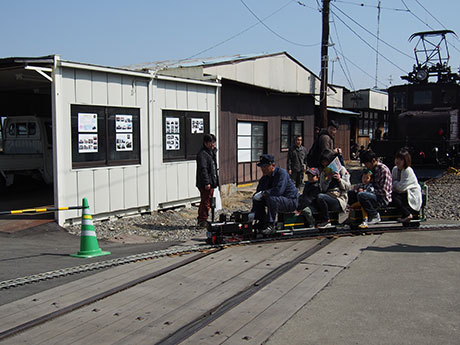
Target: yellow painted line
[
  {"x": 87, "y": 216},
  {"x": 245, "y": 185},
  {"x": 41, "y": 210},
  {"x": 16, "y": 212}
]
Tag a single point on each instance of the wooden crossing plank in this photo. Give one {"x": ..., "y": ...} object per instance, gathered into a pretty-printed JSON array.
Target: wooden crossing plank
[
  {"x": 171, "y": 307},
  {"x": 258, "y": 318},
  {"x": 48, "y": 301},
  {"x": 85, "y": 284},
  {"x": 342, "y": 251}
]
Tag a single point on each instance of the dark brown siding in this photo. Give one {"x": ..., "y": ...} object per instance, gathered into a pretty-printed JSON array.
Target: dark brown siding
[{"x": 241, "y": 102}]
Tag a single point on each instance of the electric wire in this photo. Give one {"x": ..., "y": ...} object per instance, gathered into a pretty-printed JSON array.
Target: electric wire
[
  {"x": 422, "y": 21},
  {"x": 371, "y": 33},
  {"x": 347, "y": 73},
  {"x": 274, "y": 32},
  {"x": 235, "y": 35},
  {"x": 367, "y": 43},
  {"x": 364, "y": 5}
]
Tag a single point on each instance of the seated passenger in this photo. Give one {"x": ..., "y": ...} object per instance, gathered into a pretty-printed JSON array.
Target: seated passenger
[
  {"x": 382, "y": 188},
  {"x": 275, "y": 191},
  {"x": 365, "y": 186},
  {"x": 309, "y": 195},
  {"x": 334, "y": 186},
  {"x": 407, "y": 194}
]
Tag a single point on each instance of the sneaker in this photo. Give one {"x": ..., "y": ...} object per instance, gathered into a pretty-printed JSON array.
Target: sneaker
[
  {"x": 374, "y": 220},
  {"x": 364, "y": 224},
  {"x": 324, "y": 225},
  {"x": 269, "y": 230}
]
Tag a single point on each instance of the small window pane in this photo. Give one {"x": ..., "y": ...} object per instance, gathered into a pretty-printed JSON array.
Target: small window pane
[
  {"x": 284, "y": 142},
  {"x": 244, "y": 128},
  {"x": 298, "y": 128},
  {"x": 244, "y": 142},
  {"x": 32, "y": 128},
  {"x": 284, "y": 128},
  {"x": 256, "y": 153},
  {"x": 22, "y": 128},
  {"x": 244, "y": 156},
  {"x": 12, "y": 130},
  {"x": 258, "y": 142},
  {"x": 258, "y": 129}
]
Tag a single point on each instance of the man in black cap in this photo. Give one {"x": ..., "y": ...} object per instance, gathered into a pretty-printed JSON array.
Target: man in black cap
[{"x": 275, "y": 191}]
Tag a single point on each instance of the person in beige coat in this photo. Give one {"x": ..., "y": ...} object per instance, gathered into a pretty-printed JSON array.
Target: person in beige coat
[
  {"x": 407, "y": 194},
  {"x": 334, "y": 187}
]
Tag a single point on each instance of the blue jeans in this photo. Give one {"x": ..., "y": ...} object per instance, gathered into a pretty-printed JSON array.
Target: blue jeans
[
  {"x": 326, "y": 203},
  {"x": 274, "y": 204},
  {"x": 370, "y": 201}
]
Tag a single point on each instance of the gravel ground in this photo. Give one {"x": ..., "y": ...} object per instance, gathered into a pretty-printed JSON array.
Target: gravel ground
[{"x": 179, "y": 224}]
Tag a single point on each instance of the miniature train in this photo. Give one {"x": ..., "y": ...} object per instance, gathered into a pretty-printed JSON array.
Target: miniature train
[{"x": 240, "y": 226}]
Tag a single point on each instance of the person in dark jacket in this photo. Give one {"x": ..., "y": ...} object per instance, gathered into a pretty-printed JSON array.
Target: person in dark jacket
[
  {"x": 275, "y": 191},
  {"x": 206, "y": 176},
  {"x": 296, "y": 161},
  {"x": 325, "y": 141}
]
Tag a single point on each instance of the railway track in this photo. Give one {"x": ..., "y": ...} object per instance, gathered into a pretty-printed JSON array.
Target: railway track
[{"x": 294, "y": 253}]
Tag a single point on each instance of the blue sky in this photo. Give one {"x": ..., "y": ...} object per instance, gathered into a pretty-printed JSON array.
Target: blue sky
[{"x": 120, "y": 33}]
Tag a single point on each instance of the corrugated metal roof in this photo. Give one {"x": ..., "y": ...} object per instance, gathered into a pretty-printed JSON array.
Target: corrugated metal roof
[{"x": 195, "y": 62}]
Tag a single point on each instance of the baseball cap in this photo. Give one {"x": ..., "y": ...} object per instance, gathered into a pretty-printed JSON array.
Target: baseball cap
[
  {"x": 266, "y": 159},
  {"x": 313, "y": 171}
]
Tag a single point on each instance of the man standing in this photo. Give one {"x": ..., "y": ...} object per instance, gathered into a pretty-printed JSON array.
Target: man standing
[
  {"x": 383, "y": 185},
  {"x": 275, "y": 191},
  {"x": 325, "y": 141},
  {"x": 206, "y": 176},
  {"x": 296, "y": 162}
]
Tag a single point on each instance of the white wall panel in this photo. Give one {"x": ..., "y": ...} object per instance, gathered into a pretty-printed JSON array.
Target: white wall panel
[
  {"x": 172, "y": 177},
  {"x": 130, "y": 187},
  {"x": 99, "y": 88},
  {"x": 192, "y": 97},
  {"x": 85, "y": 185},
  {"x": 83, "y": 87},
  {"x": 181, "y": 96},
  {"x": 117, "y": 192},
  {"x": 128, "y": 91},
  {"x": 101, "y": 197},
  {"x": 114, "y": 94}
]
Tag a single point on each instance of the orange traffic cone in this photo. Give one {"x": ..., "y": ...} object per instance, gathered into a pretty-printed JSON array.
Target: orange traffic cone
[{"x": 88, "y": 241}]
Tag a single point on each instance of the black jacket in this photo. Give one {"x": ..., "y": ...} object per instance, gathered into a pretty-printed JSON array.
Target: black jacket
[
  {"x": 310, "y": 193},
  {"x": 206, "y": 168}
]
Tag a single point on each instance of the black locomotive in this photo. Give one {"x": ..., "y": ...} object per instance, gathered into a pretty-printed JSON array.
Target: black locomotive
[{"x": 424, "y": 114}]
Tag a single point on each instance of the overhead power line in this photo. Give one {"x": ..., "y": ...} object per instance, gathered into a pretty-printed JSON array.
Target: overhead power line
[
  {"x": 371, "y": 33},
  {"x": 373, "y": 6},
  {"x": 367, "y": 43},
  {"x": 274, "y": 32},
  {"x": 237, "y": 34}
]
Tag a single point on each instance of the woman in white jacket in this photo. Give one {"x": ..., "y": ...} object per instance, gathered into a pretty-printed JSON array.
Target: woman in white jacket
[{"x": 407, "y": 194}]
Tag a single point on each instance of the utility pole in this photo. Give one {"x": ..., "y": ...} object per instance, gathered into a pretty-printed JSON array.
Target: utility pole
[{"x": 324, "y": 66}]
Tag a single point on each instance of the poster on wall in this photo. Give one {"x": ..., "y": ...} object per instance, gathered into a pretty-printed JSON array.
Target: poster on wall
[
  {"x": 124, "y": 142},
  {"x": 87, "y": 143},
  {"x": 124, "y": 123},
  {"x": 197, "y": 126},
  {"x": 172, "y": 142},
  {"x": 172, "y": 125},
  {"x": 87, "y": 122}
]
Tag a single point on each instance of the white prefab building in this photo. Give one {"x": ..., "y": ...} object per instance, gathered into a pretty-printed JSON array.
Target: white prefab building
[{"x": 125, "y": 140}]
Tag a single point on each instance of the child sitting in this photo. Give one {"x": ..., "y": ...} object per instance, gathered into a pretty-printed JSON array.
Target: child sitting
[
  {"x": 364, "y": 186},
  {"x": 310, "y": 192}
]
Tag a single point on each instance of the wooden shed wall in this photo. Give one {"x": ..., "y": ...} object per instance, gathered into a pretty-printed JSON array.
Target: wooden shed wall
[{"x": 241, "y": 102}]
